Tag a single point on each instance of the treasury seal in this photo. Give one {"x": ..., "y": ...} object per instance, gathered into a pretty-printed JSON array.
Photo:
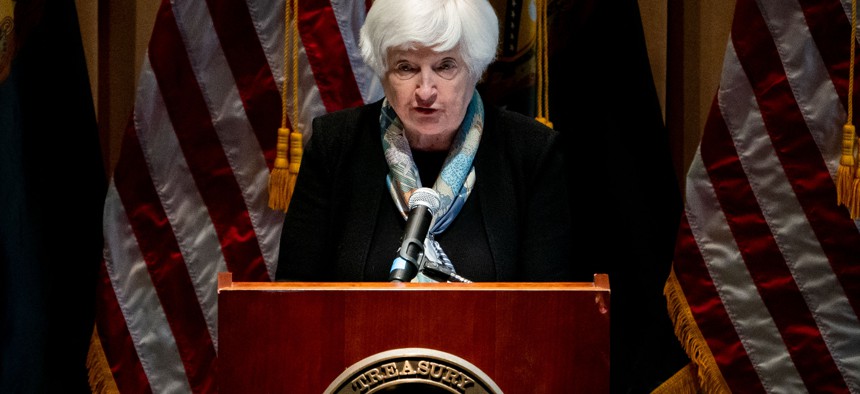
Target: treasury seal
[{"x": 413, "y": 370}]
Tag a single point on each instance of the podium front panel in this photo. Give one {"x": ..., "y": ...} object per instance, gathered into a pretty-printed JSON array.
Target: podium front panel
[{"x": 300, "y": 337}]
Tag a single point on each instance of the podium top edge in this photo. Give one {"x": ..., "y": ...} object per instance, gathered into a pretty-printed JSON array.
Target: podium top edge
[{"x": 226, "y": 283}]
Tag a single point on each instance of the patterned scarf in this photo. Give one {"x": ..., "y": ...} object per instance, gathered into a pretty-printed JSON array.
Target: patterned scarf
[{"x": 454, "y": 183}]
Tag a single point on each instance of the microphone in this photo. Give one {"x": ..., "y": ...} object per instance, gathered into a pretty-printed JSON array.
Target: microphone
[{"x": 423, "y": 202}]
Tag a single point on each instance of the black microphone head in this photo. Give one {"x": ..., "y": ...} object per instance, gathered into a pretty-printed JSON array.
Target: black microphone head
[
  {"x": 427, "y": 197},
  {"x": 423, "y": 204}
]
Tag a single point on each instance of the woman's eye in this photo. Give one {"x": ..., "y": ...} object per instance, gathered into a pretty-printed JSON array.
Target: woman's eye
[
  {"x": 447, "y": 70},
  {"x": 405, "y": 70}
]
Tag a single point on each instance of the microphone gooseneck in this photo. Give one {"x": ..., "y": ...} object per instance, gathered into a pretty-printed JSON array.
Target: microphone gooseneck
[{"x": 422, "y": 205}]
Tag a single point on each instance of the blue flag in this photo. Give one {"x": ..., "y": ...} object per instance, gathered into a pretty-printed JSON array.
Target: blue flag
[{"x": 52, "y": 187}]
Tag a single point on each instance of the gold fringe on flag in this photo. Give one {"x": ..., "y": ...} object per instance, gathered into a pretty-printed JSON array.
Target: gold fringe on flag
[
  {"x": 848, "y": 175},
  {"x": 710, "y": 379},
  {"x": 100, "y": 376},
  {"x": 542, "y": 67},
  {"x": 282, "y": 179},
  {"x": 685, "y": 381}
]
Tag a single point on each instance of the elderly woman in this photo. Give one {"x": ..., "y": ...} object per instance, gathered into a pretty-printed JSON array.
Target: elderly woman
[{"x": 503, "y": 213}]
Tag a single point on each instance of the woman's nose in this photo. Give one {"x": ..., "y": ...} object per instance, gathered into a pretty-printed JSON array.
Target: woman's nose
[{"x": 426, "y": 91}]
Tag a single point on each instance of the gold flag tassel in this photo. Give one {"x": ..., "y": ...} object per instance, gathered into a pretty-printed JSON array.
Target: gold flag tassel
[
  {"x": 542, "y": 67},
  {"x": 854, "y": 210},
  {"x": 282, "y": 179},
  {"x": 848, "y": 177},
  {"x": 845, "y": 174}
]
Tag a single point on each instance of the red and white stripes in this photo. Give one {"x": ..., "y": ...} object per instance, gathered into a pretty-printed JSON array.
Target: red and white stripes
[
  {"x": 767, "y": 260},
  {"x": 189, "y": 193}
]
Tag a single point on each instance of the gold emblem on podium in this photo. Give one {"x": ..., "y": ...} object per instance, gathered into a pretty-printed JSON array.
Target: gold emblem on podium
[{"x": 413, "y": 370}]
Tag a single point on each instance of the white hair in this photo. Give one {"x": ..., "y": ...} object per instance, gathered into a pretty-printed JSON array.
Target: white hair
[{"x": 437, "y": 24}]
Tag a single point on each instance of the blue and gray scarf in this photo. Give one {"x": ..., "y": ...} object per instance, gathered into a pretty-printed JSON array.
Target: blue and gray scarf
[{"x": 454, "y": 183}]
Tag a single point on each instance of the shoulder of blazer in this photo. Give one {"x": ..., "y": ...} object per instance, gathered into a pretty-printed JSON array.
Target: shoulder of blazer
[
  {"x": 339, "y": 128},
  {"x": 522, "y": 138},
  {"x": 348, "y": 137},
  {"x": 519, "y": 128}
]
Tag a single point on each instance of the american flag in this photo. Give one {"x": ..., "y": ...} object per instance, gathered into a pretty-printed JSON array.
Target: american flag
[
  {"x": 765, "y": 289},
  {"x": 188, "y": 198}
]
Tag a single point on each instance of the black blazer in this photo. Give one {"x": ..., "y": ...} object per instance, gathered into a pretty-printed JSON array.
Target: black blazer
[{"x": 330, "y": 223}]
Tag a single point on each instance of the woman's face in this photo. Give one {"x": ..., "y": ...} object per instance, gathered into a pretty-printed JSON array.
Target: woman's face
[{"x": 430, "y": 92}]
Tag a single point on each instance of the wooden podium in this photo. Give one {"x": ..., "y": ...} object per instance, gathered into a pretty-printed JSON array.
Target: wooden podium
[{"x": 291, "y": 337}]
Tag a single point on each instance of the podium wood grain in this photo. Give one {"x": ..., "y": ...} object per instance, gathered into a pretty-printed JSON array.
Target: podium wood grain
[{"x": 527, "y": 337}]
